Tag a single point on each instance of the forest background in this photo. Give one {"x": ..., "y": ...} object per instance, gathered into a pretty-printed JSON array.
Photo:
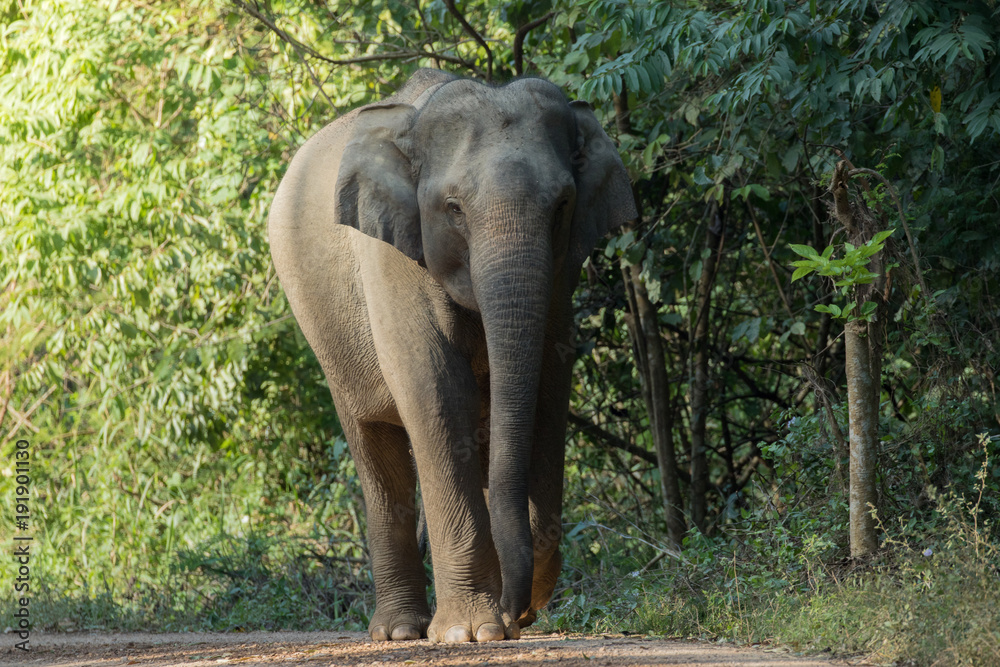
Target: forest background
[{"x": 188, "y": 471}]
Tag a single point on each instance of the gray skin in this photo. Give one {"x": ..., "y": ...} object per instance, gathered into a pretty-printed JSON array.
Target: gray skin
[{"x": 429, "y": 246}]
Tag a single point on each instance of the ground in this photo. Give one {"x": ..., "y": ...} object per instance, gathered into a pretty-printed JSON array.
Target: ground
[{"x": 353, "y": 648}]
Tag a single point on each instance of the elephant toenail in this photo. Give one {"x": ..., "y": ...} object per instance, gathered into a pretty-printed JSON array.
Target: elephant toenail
[
  {"x": 403, "y": 632},
  {"x": 489, "y": 632},
  {"x": 457, "y": 634},
  {"x": 379, "y": 634}
]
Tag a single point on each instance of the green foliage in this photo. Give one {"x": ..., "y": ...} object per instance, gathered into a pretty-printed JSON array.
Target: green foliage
[
  {"x": 816, "y": 61},
  {"x": 259, "y": 581},
  {"x": 740, "y": 132},
  {"x": 153, "y": 360},
  {"x": 229, "y": 582},
  {"x": 849, "y": 271},
  {"x": 780, "y": 578}
]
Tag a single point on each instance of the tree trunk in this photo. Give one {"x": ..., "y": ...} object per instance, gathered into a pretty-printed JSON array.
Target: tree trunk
[
  {"x": 644, "y": 329},
  {"x": 863, "y": 404},
  {"x": 699, "y": 381},
  {"x": 651, "y": 360},
  {"x": 864, "y": 371}
]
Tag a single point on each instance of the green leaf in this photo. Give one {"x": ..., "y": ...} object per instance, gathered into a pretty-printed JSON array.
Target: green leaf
[
  {"x": 645, "y": 85},
  {"x": 632, "y": 79},
  {"x": 753, "y": 188},
  {"x": 833, "y": 309},
  {"x": 803, "y": 250},
  {"x": 801, "y": 272},
  {"x": 576, "y": 61},
  {"x": 691, "y": 114},
  {"x": 761, "y": 191},
  {"x": 694, "y": 271},
  {"x": 790, "y": 160},
  {"x": 880, "y": 237},
  {"x": 634, "y": 253},
  {"x": 749, "y": 329},
  {"x": 700, "y": 178}
]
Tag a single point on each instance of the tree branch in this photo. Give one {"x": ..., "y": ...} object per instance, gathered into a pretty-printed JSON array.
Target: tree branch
[
  {"x": 590, "y": 428},
  {"x": 450, "y": 4},
  {"x": 902, "y": 219},
  {"x": 7, "y": 393},
  {"x": 294, "y": 43},
  {"x": 23, "y": 418},
  {"x": 522, "y": 32},
  {"x": 769, "y": 261},
  {"x": 303, "y": 49}
]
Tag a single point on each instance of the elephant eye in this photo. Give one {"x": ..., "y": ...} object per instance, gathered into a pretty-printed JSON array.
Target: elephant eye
[
  {"x": 562, "y": 213},
  {"x": 562, "y": 223},
  {"x": 561, "y": 209},
  {"x": 455, "y": 209}
]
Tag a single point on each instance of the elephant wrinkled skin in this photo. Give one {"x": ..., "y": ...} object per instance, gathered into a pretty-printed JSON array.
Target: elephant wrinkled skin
[{"x": 429, "y": 246}]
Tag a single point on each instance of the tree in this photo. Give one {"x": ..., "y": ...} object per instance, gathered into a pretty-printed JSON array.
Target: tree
[
  {"x": 860, "y": 275},
  {"x": 735, "y": 107},
  {"x": 151, "y": 357}
]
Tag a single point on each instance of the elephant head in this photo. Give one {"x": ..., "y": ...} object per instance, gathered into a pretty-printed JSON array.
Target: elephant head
[{"x": 501, "y": 193}]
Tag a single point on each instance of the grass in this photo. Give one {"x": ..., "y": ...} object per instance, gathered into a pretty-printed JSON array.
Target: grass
[
  {"x": 930, "y": 597},
  {"x": 210, "y": 550},
  {"x": 913, "y": 604},
  {"x": 943, "y": 611},
  {"x": 142, "y": 538},
  {"x": 230, "y": 583}
]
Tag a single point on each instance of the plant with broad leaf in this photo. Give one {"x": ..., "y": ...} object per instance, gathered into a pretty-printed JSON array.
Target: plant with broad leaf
[{"x": 849, "y": 271}]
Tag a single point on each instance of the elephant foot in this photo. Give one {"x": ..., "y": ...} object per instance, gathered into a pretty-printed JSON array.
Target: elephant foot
[
  {"x": 398, "y": 627},
  {"x": 458, "y": 623}
]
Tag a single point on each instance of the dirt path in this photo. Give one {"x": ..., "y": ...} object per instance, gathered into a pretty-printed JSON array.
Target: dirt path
[{"x": 354, "y": 648}]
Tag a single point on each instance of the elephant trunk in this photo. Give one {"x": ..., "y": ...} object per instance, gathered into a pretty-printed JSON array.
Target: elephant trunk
[{"x": 513, "y": 288}]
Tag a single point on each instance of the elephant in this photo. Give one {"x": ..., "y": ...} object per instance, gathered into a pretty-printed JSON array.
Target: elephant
[{"x": 429, "y": 246}]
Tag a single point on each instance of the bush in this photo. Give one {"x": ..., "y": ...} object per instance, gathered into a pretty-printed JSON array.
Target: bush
[{"x": 931, "y": 596}]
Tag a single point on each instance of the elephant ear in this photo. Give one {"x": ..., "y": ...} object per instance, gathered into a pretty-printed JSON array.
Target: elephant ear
[
  {"x": 376, "y": 189},
  {"x": 604, "y": 200}
]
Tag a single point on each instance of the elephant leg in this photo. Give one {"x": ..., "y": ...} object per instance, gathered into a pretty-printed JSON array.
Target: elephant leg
[
  {"x": 381, "y": 454},
  {"x": 467, "y": 578},
  {"x": 547, "y": 462}
]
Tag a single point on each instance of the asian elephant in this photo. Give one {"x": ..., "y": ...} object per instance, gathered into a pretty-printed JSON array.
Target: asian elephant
[{"x": 429, "y": 246}]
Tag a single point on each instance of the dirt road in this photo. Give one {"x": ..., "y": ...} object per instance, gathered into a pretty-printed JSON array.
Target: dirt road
[{"x": 353, "y": 648}]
